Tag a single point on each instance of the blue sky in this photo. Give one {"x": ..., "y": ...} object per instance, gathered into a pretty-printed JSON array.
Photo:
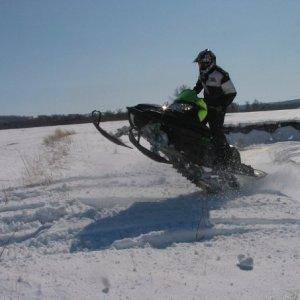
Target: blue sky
[{"x": 71, "y": 56}]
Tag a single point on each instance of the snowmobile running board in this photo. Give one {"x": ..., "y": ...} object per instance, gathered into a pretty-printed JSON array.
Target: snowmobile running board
[{"x": 97, "y": 116}]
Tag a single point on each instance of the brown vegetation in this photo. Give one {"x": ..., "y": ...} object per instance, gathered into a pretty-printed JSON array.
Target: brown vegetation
[
  {"x": 58, "y": 135},
  {"x": 44, "y": 166}
]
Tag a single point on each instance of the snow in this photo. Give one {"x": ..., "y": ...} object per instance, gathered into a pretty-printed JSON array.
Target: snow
[
  {"x": 262, "y": 117},
  {"x": 255, "y": 137},
  {"x": 87, "y": 219}
]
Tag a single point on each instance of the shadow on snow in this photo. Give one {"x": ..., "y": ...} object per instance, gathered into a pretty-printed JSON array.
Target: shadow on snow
[{"x": 156, "y": 223}]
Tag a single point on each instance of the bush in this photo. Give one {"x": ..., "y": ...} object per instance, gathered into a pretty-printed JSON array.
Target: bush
[{"x": 58, "y": 135}]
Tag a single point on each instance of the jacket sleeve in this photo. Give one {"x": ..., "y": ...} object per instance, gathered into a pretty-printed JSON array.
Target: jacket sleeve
[
  {"x": 198, "y": 87},
  {"x": 228, "y": 89}
]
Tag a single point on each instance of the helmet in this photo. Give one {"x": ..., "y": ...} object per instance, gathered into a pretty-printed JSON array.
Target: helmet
[{"x": 205, "y": 59}]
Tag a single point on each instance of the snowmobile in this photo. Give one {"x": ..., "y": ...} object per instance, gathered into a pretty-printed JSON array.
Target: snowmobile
[{"x": 177, "y": 134}]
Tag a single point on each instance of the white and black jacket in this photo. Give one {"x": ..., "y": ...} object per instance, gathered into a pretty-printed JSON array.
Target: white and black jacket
[{"x": 217, "y": 85}]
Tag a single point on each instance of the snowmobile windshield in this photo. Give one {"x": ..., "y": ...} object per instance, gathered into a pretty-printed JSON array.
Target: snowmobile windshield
[{"x": 189, "y": 96}]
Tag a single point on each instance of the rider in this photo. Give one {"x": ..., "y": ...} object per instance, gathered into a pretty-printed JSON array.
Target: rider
[{"x": 219, "y": 92}]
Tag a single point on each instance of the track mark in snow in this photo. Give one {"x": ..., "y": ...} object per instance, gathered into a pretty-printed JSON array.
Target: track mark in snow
[
  {"x": 42, "y": 214},
  {"x": 163, "y": 239},
  {"x": 256, "y": 221},
  {"x": 16, "y": 207},
  {"x": 45, "y": 222},
  {"x": 21, "y": 237},
  {"x": 288, "y": 154}
]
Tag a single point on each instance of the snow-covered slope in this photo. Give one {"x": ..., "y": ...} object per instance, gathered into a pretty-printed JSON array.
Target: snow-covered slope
[{"x": 86, "y": 219}]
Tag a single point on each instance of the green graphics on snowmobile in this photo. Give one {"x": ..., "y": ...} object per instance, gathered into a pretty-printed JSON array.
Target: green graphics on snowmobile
[{"x": 189, "y": 95}]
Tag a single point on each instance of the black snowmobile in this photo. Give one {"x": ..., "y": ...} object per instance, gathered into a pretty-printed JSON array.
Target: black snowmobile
[{"x": 173, "y": 134}]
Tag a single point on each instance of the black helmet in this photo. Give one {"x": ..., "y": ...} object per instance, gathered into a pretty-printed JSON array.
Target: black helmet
[{"x": 205, "y": 59}]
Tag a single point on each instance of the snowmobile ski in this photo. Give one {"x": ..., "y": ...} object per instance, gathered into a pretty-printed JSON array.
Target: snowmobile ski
[{"x": 97, "y": 116}]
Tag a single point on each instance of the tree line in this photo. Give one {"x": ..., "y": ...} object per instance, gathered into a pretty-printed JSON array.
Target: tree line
[{"x": 9, "y": 122}]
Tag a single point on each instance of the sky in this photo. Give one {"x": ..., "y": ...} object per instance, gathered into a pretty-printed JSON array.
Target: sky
[{"x": 74, "y": 56}]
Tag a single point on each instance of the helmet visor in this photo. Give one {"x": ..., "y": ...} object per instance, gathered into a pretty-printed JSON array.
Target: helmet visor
[{"x": 204, "y": 64}]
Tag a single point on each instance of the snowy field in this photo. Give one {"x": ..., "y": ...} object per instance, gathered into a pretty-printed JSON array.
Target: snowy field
[
  {"x": 84, "y": 219},
  {"x": 262, "y": 117}
]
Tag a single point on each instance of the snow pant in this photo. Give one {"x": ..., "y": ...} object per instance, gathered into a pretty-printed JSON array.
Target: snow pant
[{"x": 216, "y": 122}]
